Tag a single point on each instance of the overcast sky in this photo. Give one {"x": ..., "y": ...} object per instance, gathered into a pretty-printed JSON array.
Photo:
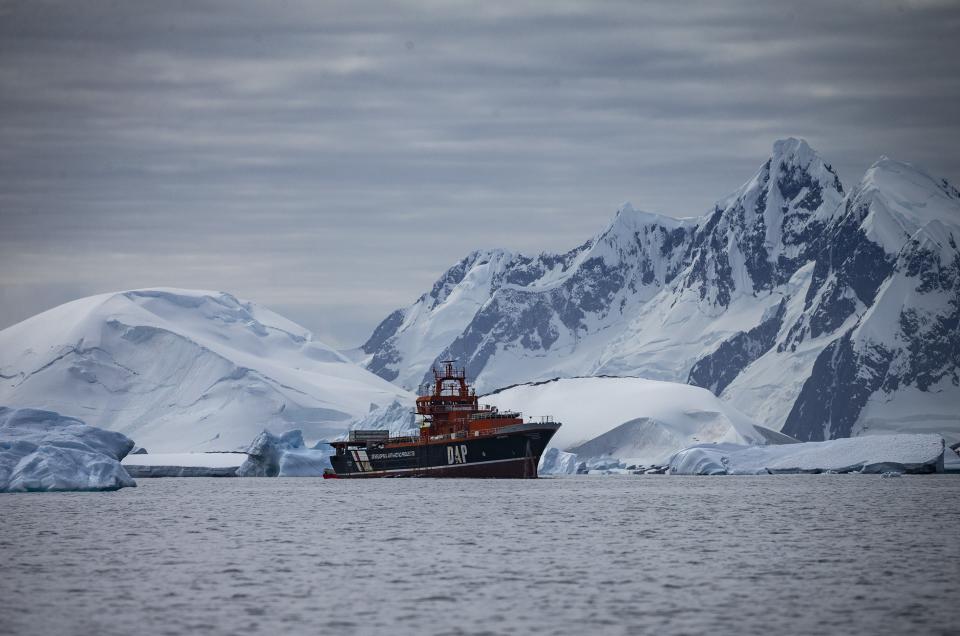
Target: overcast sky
[{"x": 331, "y": 160}]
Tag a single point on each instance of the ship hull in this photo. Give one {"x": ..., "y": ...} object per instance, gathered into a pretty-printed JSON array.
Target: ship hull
[{"x": 511, "y": 454}]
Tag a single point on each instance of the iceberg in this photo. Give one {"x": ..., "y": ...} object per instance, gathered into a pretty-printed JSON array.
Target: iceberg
[
  {"x": 557, "y": 462},
  {"x": 875, "y": 454},
  {"x": 284, "y": 455},
  {"x": 45, "y": 451},
  {"x": 304, "y": 462}
]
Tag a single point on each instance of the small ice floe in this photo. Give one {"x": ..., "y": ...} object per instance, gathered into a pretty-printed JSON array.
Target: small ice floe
[
  {"x": 872, "y": 454},
  {"x": 891, "y": 474},
  {"x": 46, "y": 451}
]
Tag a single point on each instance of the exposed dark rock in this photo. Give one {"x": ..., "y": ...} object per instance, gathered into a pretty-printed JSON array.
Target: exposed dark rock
[
  {"x": 842, "y": 381},
  {"x": 718, "y": 369}
]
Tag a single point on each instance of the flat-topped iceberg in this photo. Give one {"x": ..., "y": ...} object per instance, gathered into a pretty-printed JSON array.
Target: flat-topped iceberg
[
  {"x": 184, "y": 464},
  {"x": 46, "y": 451},
  {"x": 867, "y": 454}
]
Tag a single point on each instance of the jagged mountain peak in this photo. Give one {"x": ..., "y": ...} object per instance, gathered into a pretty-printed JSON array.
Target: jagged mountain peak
[
  {"x": 630, "y": 217},
  {"x": 792, "y": 166},
  {"x": 757, "y": 238},
  {"x": 913, "y": 188},
  {"x": 795, "y": 148},
  {"x": 789, "y": 145},
  {"x": 894, "y": 200},
  {"x": 635, "y": 235},
  {"x": 478, "y": 268}
]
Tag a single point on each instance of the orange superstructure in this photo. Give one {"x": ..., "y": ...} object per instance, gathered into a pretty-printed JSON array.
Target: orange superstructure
[{"x": 450, "y": 407}]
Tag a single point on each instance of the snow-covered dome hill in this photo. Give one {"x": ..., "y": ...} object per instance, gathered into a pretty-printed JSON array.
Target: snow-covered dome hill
[
  {"x": 637, "y": 420},
  {"x": 178, "y": 370}
]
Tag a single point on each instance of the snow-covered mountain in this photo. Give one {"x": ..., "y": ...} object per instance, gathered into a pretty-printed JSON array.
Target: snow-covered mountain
[
  {"x": 820, "y": 312},
  {"x": 180, "y": 370},
  {"x": 508, "y": 317}
]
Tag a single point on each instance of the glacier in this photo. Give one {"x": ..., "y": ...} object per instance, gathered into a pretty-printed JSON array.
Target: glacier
[
  {"x": 184, "y": 370},
  {"x": 875, "y": 454},
  {"x": 816, "y": 311},
  {"x": 46, "y": 451}
]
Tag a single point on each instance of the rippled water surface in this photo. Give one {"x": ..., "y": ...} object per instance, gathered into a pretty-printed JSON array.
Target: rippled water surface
[{"x": 610, "y": 555}]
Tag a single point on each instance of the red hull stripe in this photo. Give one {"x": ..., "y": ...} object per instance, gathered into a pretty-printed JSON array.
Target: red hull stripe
[{"x": 425, "y": 469}]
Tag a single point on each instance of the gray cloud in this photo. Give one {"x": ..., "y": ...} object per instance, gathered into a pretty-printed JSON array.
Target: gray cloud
[{"x": 331, "y": 159}]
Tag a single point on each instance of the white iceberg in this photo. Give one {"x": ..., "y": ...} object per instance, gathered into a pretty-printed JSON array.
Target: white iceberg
[
  {"x": 304, "y": 462},
  {"x": 557, "y": 462},
  {"x": 283, "y": 456},
  {"x": 869, "y": 454},
  {"x": 46, "y": 451}
]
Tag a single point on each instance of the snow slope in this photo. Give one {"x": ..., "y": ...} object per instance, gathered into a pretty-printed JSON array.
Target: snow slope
[
  {"x": 506, "y": 316},
  {"x": 886, "y": 294},
  {"x": 45, "y": 451},
  {"x": 396, "y": 417},
  {"x": 184, "y": 370},
  {"x": 636, "y": 420}
]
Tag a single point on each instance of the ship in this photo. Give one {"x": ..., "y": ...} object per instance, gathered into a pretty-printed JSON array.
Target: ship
[{"x": 458, "y": 437}]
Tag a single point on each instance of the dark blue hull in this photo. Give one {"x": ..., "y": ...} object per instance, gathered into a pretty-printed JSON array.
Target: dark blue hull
[{"x": 511, "y": 454}]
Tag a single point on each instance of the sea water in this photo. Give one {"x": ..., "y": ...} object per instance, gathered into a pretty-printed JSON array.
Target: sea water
[{"x": 797, "y": 554}]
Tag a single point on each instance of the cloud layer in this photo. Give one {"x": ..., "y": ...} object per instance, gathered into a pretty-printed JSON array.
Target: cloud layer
[{"x": 331, "y": 159}]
